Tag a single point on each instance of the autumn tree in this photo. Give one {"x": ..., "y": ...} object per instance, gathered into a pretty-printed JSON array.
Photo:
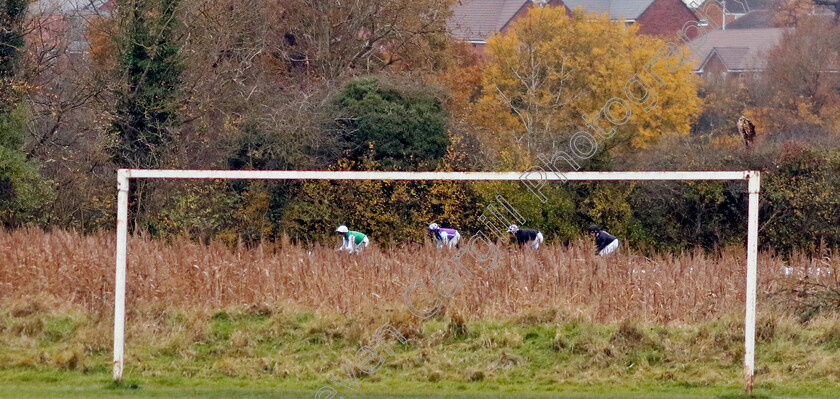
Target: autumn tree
[
  {"x": 261, "y": 74},
  {"x": 69, "y": 110},
  {"x": 550, "y": 70},
  {"x": 21, "y": 187},
  {"x": 12, "y": 20},
  {"x": 789, "y": 12},
  {"x": 334, "y": 38},
  {"x": 149, "y": 74},
  {"x": 260, "y": 78},
  {"x": 801, "y": 80},
  {"x": 802, "y": 208},
  {"x": 145, "y": 90},
  {"x": 386, "y": 123}
]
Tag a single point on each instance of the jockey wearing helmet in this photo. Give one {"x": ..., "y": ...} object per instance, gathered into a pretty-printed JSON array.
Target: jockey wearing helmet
[
  {"x": 351, "y": 241},
  {"x": 526, "y": 236},
  {"x": 445, "y": 237}
]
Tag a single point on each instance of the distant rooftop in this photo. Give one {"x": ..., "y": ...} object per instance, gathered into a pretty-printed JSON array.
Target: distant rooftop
[
  {"x": 477, "y": 20},
  {"x": 615, "y": 9},
  {"x": 66, "y": 7},
  {"x": 739, "y": 49},
  {"x": 755, "y": 19},
  {"x": 738, "y": 6}
]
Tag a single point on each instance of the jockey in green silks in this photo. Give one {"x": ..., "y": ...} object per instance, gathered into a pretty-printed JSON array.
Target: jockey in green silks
[{"x": 351, "y": 241}]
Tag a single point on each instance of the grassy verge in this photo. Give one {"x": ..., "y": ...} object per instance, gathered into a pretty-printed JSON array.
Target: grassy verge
[
  {"x": 269, "y": 352},
  {"x": 66, "y": 384}
]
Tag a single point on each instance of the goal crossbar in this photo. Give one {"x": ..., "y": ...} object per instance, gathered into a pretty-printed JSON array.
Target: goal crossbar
[
  {"x": 451, "y": 176},
  {"x": 124, "y": 176}
]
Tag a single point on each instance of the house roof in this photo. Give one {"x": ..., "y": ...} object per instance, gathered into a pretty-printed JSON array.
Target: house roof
[
  {"x": 477, "y": 20},
  {"x": 739, "y": 6},
  {"x": 739, "y": 49},
  {"x": 732, "y": 57},
  {"x": 66, "y": 7},
  {"x": 754, "y": 19},
  {"x": 615, "y": 9}
]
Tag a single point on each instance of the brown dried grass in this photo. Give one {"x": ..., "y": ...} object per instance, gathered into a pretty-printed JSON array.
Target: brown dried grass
[{"x": 79, "y": 270}]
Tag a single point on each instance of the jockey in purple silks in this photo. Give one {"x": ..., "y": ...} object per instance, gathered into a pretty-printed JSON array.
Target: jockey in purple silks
[{"x": 448, "y": 237}]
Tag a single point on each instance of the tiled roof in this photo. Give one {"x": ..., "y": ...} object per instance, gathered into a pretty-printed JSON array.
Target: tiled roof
[
  {"x": 615, "y": 9},
  {"x": 733, "y": 57},
  {"x": 477, "y": 20},
  {"x": 480, "y": 19},
  {"x": 739, "y": 49},
  {"x": 739, "y": 6},
  {"x": 755, "y": 19}
]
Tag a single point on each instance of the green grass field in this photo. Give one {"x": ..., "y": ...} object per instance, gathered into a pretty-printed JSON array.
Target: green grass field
[
  {"x": 96, "y": 386},
  {"x": 262, "y": 353}
]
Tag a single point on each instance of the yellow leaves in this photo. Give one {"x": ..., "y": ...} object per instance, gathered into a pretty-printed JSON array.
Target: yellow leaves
[
  {"x": 609, "y": 205},
  {"x": 803, "y": 108},
  {"x": 831, "y": 115},
  {"x": 644, "y": 139},
  {"x": 549, "y": 69}
]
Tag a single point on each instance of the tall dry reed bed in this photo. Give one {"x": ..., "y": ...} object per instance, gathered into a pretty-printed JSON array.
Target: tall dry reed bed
[{"x": 80, "y": 270}]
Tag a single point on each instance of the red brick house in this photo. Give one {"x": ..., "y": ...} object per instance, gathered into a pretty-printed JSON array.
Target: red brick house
[
  {"x": 654, "y": 17},
  {"x": 476, "y": 20}
]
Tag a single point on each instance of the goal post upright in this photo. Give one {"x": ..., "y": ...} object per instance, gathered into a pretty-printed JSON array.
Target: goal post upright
[
  {"x": 119, "y": 278},
  {"x": 754, "y": 187},
  {"x": 124, "y": 176}
]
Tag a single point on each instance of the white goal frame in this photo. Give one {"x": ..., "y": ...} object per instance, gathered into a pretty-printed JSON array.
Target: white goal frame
[{"x": 125, "y": 175}]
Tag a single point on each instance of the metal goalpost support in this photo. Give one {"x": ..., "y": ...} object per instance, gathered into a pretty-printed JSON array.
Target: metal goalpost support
[
  {"x": 124, "y": 176},
  {"x": 752, "y": 275}
]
